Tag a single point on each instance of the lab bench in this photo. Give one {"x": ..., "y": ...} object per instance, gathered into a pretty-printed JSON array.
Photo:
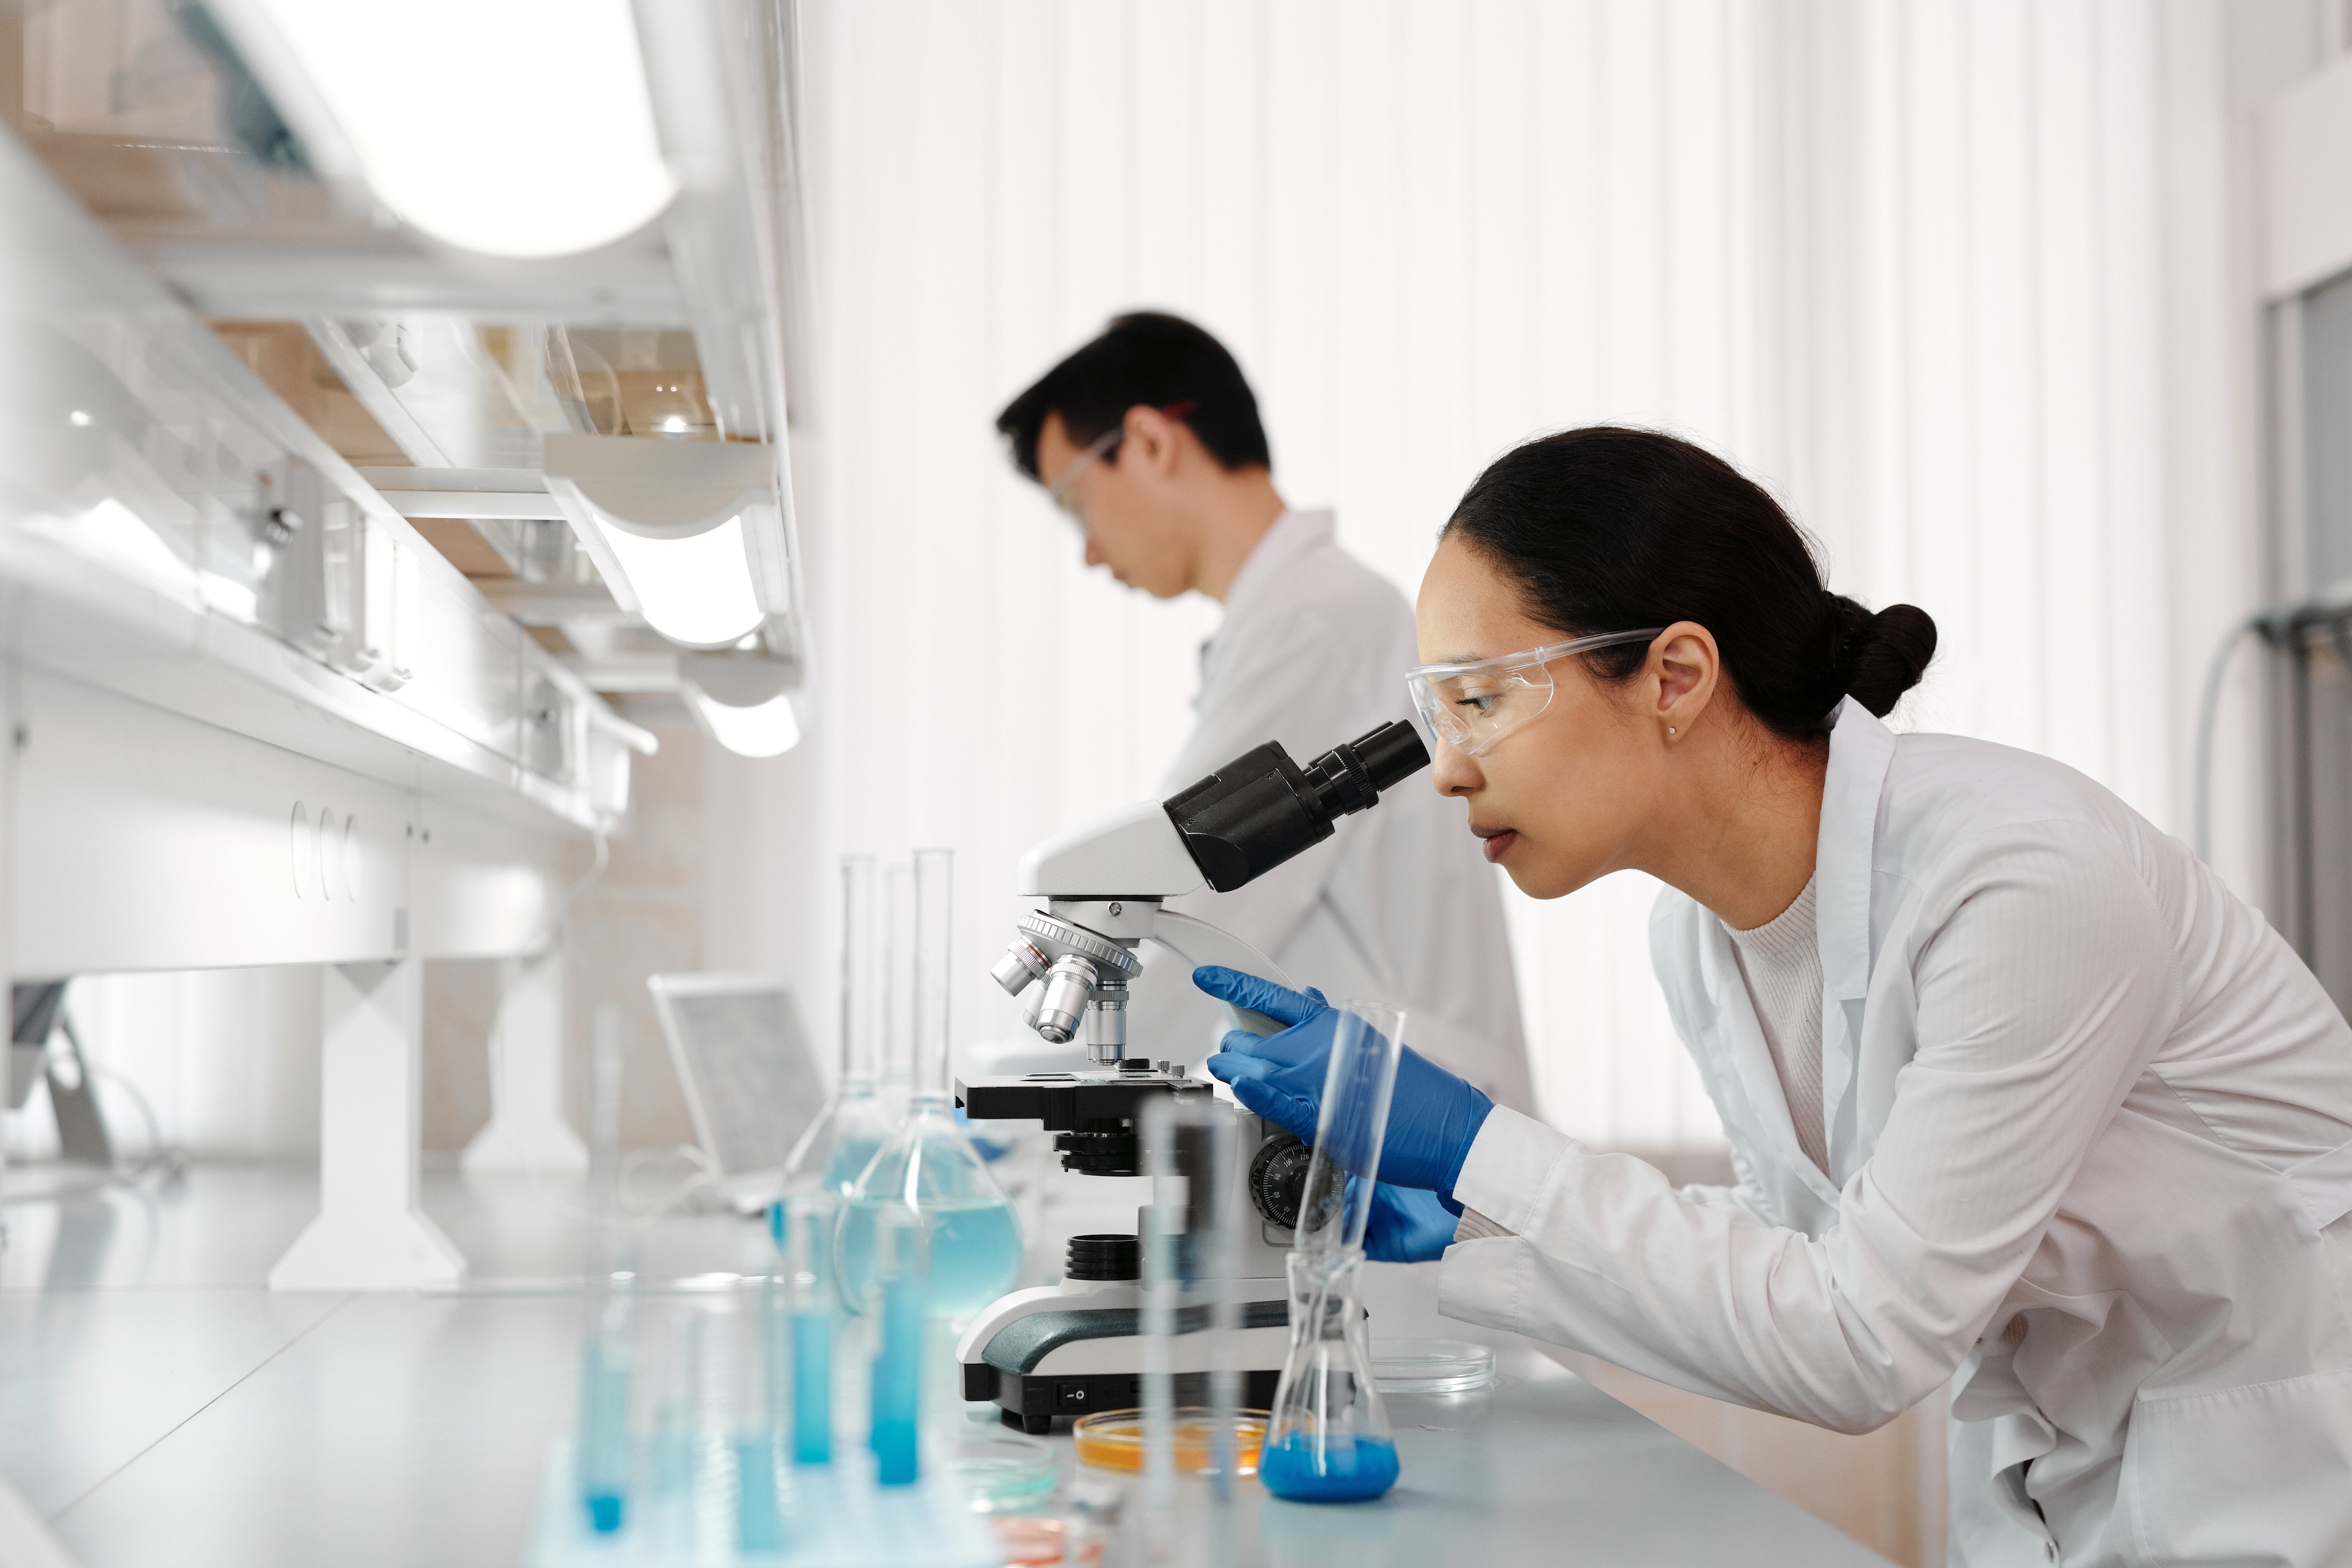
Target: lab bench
[{"x": 160, "y": 1404}]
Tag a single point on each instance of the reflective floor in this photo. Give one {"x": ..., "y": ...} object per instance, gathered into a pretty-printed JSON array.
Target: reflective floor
[{"x": 161, "y": 1405}]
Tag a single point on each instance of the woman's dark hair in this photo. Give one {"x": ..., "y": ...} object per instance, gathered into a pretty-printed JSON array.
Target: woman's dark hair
[{"x": 1609, "y": 530}]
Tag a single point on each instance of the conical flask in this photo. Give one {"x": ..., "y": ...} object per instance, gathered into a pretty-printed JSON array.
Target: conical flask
[
  {"x": 1327, "y": 1439},
  {"x": 928, "y": 1165},
  {"x": 834, "y": 1150}
]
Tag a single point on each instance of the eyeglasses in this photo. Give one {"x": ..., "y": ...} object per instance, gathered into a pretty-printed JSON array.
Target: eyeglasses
[
  {"x": 1472, "y": 705},
  {"x": 1065, "y": 490},
  {"x": 1102, "y": 448}
]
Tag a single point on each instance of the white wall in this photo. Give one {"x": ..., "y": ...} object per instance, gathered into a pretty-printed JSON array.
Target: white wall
[{"x": 1956, "y": 282}]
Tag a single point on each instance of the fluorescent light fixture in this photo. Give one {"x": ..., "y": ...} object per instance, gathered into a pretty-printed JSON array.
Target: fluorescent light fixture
[
  {"x": 742, "y": 701},
  {"x": 520, "y": 128},
  {"x": 696, "y": 590},
  {"x": 687, "y": 534},
  {"x": 769, "y": 730}
]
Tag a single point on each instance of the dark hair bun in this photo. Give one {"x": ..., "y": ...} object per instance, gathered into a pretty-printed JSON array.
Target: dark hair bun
[
  {"x": 1607, "y": 529},
  {"x": 1881, "y": 656}
]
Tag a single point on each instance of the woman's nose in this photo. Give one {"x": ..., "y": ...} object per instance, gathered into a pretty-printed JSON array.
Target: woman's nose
[{"x": 1454, "y": 773}]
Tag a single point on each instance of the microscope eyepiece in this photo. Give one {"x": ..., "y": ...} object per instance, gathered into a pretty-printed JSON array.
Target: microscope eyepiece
[{"x": 1262, "y": 808}]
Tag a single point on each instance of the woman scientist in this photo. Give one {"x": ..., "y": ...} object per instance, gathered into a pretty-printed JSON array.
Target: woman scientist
[{"x": 2015, "y": 1088}]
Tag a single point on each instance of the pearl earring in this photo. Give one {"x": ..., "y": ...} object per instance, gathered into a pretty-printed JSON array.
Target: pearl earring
[{"x": 1670, "y": 728}]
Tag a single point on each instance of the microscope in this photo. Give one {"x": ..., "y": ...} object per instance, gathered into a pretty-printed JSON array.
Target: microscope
[{"x": 1067, "y": 1350}]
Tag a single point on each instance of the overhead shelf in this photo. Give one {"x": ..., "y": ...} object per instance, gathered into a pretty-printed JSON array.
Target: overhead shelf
[{"x": 236, "y": 167}]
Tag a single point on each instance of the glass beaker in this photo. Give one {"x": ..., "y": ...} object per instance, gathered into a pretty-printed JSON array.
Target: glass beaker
[
  {"x": 834, "y": 1150},
  {"x": 928, "y": 1165},
  {"x": 1329, "y": 1440}
]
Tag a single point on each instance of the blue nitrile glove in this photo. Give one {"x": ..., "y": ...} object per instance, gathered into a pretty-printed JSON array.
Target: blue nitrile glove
[
  {"x": 1406, "y": 1225},
  {"x": 1433, "y": 1116}
]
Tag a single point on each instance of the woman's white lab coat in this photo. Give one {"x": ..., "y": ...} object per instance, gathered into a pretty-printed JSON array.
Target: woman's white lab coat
[{"x": 2090, "y": 1142}]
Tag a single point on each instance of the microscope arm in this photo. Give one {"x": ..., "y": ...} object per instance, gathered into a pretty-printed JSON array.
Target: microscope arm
[{"x": 1198, "y": 942}]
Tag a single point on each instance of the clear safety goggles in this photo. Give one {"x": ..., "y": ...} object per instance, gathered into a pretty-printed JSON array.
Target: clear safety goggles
[{"x": 1472, "y": 705}]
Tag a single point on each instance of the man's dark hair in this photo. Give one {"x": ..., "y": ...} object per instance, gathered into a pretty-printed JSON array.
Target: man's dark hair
[{"x": 1148, "y": 357}]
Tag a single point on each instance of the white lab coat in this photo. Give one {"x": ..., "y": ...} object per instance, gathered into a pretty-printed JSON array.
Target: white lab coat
[
  {"x": 2090, "y": 1142},
  {"x": 1399, "y": 905}
]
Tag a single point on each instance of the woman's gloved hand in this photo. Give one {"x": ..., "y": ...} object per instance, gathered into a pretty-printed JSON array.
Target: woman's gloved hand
[
  {"x": 1433, "y": 1116},
  {"x": 1406, "y": 1225}
]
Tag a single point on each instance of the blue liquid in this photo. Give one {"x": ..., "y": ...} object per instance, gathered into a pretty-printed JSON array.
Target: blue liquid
[
  {"x": 975, "y": 1253},
  {"x": 758, "y": 1525},
  {"x": 848, "y": 1162},
  {"x": 898, "y": 1384},
  {"x": 1348, "y": 1469},
  {"x": 604, "y": 1445},
  {"x": 812, "y": 1388}
]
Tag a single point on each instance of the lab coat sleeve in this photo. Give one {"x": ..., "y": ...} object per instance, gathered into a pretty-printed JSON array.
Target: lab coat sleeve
[
  {"x": 2043, "y": 988},
  {"x": 1294, "y": 682}
]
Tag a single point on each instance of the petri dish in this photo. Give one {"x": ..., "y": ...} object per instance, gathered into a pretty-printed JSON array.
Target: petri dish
[
  {"x": 1113, "y": 1439},
  {"x": 1431, "y": 1366},
  {"x": 1004, "y": 1472}
]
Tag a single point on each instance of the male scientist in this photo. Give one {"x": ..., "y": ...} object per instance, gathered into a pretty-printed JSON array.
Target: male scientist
[{"x": 1149, "y": 435}]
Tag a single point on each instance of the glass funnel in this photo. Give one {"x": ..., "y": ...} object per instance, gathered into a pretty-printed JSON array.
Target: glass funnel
[
  {"x": 1328, "y": 1439},
  {"x": 832, "y": 1153},
  {"x": 928, "y": 1165}
]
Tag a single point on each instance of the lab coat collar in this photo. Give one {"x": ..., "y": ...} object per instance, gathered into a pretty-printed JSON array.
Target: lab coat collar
[
  {"x": 1861, "y": 749},
  {"x": 1290, "y": 536}
]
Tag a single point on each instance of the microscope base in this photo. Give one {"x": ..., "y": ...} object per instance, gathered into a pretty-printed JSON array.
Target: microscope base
[{"x": 1035, "y": 1402}]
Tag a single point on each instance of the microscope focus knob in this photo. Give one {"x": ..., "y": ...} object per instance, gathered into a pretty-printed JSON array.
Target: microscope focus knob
[{"x": 1277, "y": 1178}]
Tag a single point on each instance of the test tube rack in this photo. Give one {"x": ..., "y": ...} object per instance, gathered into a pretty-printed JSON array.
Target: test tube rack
[{"x": 829, "y": 1516}]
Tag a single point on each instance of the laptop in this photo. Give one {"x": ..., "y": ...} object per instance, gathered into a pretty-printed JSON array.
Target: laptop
[{"x": 752, "y": 1081}]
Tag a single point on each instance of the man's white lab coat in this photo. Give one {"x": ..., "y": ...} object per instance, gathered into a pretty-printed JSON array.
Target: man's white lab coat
[
  {"x": 1399, "y": 905},
  {"x": 2090, "y": 1143}
]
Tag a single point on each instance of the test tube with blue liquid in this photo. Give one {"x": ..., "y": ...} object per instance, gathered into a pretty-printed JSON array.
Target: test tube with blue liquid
[
  {"x": 760, "y": 1429},
  {"x": 1328, "y": 1438},
  {"x": 603, "y": 1454},
  {"x": 808, "y": 1221},
  {"x": 896, "y": 1307}
]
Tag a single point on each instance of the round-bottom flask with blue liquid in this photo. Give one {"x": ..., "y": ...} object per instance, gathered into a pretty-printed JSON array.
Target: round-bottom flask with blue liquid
[{"x": 975, "y": 1236}]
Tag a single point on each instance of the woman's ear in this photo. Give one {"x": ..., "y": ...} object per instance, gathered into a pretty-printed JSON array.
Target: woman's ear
[{"x": 1685, "y": 668}]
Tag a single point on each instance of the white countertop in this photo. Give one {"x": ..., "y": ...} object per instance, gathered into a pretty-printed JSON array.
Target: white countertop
[{"x": 161, "y": 1406}]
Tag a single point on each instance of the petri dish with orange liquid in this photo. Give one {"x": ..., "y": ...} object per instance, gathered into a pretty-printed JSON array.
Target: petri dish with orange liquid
[{"x": 1113, "y": 1439}]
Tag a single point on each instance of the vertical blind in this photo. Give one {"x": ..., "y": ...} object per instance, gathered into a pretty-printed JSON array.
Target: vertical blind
[{"x": 1904, "y": 263}]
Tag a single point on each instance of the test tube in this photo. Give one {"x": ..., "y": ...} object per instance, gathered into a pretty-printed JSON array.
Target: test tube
[
  {"x": 934, "y": 925},
  {"x": 604, "y": 1452},
  {"x": 759, "y": 1521},
  {"x": 901, "y": 1268},
  {"x": 1192, "y": 1154},
  {"x": 1358, "y": 1081},
  {"x": 897, "y": 1068},
  {"x": 808, "y": 1253}
]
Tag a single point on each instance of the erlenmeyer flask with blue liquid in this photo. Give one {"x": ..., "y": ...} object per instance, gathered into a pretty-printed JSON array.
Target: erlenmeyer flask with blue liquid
[
  {"x": 928, "y": 1165},
  {"x": 1328, "y": 1438}
]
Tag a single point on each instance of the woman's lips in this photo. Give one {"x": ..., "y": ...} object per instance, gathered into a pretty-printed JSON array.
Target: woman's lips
[{"x": 1497, "y": 841}]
